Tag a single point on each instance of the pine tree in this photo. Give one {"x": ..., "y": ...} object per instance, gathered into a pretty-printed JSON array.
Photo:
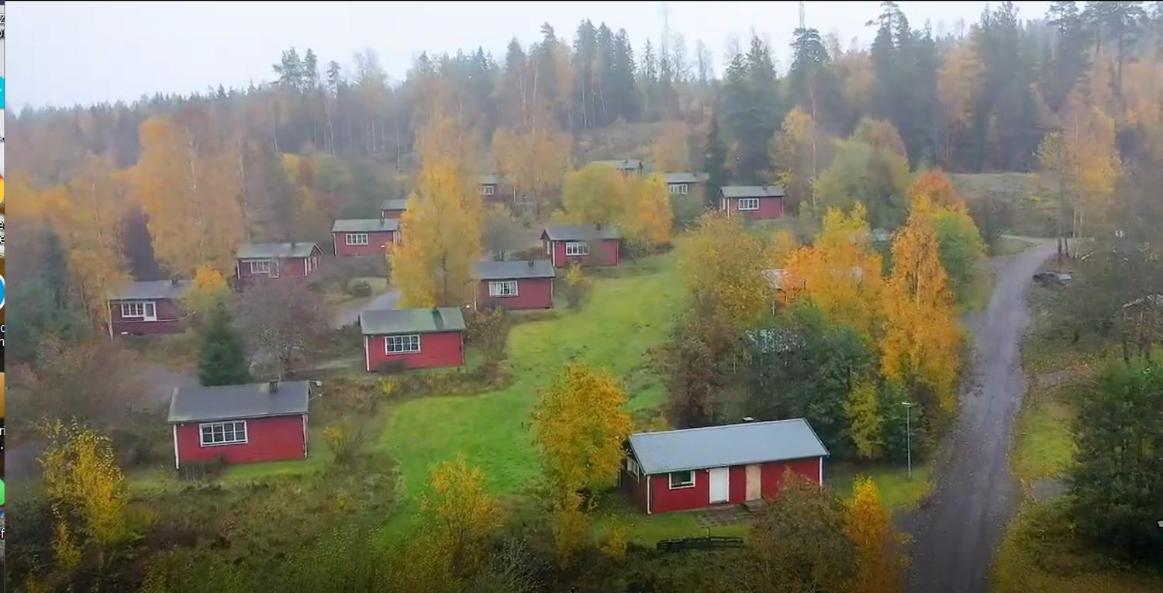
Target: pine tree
[
  {"x": 714, "y": 163},
  {"x": 221, "y": 359}
]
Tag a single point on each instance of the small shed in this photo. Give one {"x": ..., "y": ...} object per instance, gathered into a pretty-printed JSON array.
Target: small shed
[
  {"x": 681, "y": 184},
  {"x": 494, "y": 188},
  {"x": 523, "y": 284},
  {"x": 240, "y": 423},
  {"x": 276, "y": 260},
  {"x": 757, "y": 202},
  {"x": 694, "y": 468},
  {"x": 624, "y": 166},
  {"x": 414, "y": 338},
  {"x": 393, "y": 208},
  {"x": 364, "y": 236},
  {"x": 585, "y": 244},
  {"x": 148, "y": 308}
]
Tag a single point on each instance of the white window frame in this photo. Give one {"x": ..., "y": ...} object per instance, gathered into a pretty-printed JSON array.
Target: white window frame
[
  {"x": 219, "y": 439},
  {"x": 488, "y": 189},
  {"x": 748, "y": 204},
  {"x": 142, "y": 310},
  {"x": 680, "y": 485},
  {"x": 356, "y": 238},
  {"x": 404, "y": 344},
  {"x": 678, "y": 188},
  {"x": 502, "y": 288},
  {"x": 261, "y": 266},
  {"x": 633, "y": 468},
  {"x": 576, "y": 248}
]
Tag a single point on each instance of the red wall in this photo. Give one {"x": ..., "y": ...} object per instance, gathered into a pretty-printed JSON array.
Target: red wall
[
  {"x": 375, "y": 244},
  {"x": 290, "y": 267},
  {"x": 386, "y": 213},
  {"x": 444, "y": 349},
  {"x": 269, "y": 439},
  {"x": 771, "y": 475},
  {"x": 532, "y": 293},
  {"x": 168, "y": 319},
  {"x": 608, "y": 253},
  {"x": 768, "y": 208}
]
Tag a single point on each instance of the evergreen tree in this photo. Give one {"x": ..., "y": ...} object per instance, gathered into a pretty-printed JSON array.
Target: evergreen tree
[
  {"x": 714, "y": 163},
  {"x": 310, "y": 77},
  {"x": 221, "y": 358},
  {"x": 1069, "y": 60},
  {"x": 812, "y": 83},
  {"x": 648, "y": 74}
]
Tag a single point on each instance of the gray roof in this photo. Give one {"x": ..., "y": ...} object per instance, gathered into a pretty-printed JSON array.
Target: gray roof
[
  {"x": 225, "y": 402},
  {"x": 365, "y": 225},
  {"x": 719, "y": 446},
  {"x": 753, "y": 191},
  {"x": 580, "y": 232},
  {"x": 150, "y": 289},
  {"x": 488, "y": 180},
  {"x": 396, "y": 204},
  {"x": 411, "y": 321},
  {"x": 621, "y": 164},
  {"x": 684, "y": 178},
  {"x": 273, "y": 250},
  {"x": 501, "y": 270}
]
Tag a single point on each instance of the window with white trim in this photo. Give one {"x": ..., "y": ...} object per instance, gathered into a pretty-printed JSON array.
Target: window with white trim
[
  {"x": 577, "y": 248},
  {"x": 230, "y": 432},
  {"x": 408, "y": 344},
  {"x": 143, "y": 310},
  {"x": 633, "y": 467},
  {"x": 682, "y": 480},
  {"x": 678, "y": 188},
  {"x": 260, "y": 266},
  {"x": 502, "y": 288},
  {"x": 356, "y": 238},
  {"x": 488, "y": 190},
  {"x": 749, "y": 203}
]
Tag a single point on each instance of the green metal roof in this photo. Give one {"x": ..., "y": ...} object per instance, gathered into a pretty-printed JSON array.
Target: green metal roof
[
  {"x": 365, "y": 225},
  {"x": 411, "y": 321},
  {"x": 274, "y": 250}
]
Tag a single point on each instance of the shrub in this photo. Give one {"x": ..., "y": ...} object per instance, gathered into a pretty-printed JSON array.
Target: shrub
[
  {"x": 202, "y": 470},
  {"x": 392, "y": 367},
  {"x": 576, "y": 285},
  {"x": 344, "y": 439},
  {"x": 489, "y": 328},
  {"x": 359, "y": 288}
]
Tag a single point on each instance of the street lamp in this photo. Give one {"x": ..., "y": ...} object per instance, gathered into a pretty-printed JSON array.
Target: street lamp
[{"x": 909, "y": 435}]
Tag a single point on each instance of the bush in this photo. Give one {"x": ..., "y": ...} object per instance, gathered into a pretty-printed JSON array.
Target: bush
[
  {"x": 392, "y": 367},
  {"x": 576, "y": 285},
  {"x": 202, "y": 470},
  {"x": 344, "y": 439},
  {"x": 359, "y": 288}
]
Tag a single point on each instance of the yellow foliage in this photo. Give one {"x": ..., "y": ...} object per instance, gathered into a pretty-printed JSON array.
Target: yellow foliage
[
  {"x": 865, "y": 419},
  {"x": 580, "y": 423},
  {"x": 648, "y": 218},
  {"x": 879, "y": 567},
  {"x": 671, "y": 151},
  {"x": 207, "y": 291},
  {"x": 782, "y": 246},
  {"x": 615, "y": 544},
  {"x": 66, "y": 552},
  {"x": 595, "y": 194},
  {"x": 796, "y": 150},
  {"x": 722, "y": 267},
  {"x": 922, "y": 339},
  {"x": 460, "y": 514},
  {"x": 535, "y": 159},
  {"x": 571, "y": 528},
  {"x": 840, "y": 273},
  {"x": 433, "y": 266}
]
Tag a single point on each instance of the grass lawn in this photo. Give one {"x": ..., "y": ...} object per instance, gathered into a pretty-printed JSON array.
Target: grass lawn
[
  {"x": 178, "y": 352},
  {"x": 624, "y": 316},
  {"x": 897, "y": 490},
  {"x": 1043, "y": 441},
  {"x": 648, "y": 530},
  {"x": 1007, "y": 245},
  {"x": 977, "y": 299}
]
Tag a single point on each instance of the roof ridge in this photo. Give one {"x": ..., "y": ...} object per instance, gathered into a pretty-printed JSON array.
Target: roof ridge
[{"x": 720, "y": 426}]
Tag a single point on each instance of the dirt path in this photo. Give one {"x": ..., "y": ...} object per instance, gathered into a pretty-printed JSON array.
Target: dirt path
[
  {"x": 956, "y": 532},
  {"x": 350, "y": 314}
]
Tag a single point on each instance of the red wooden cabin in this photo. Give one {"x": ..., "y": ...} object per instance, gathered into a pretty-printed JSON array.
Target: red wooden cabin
[
  {"x": 364, "y": 236},
  {"x": 756, "y": 202},
  {"x": 276, "y": 260},
  {"x": 393, "y": 208},
  {"x": 524, "y": 284},
  {"x": 586, "y": 244},
  {"x": 148, "y": 308},
  {"x": 678, "y": 470},
  {"x": 414, "y": 338}
]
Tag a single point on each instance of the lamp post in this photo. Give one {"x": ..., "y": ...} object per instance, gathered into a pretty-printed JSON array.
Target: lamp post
[{"x": 909, "y": 435}]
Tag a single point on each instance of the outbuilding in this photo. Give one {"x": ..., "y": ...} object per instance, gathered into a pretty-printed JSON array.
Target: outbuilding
[
  {"x": 694, "y": 468},
  {"x": 276, "y": 260},
  {"x": 240, "y": 423},
  {"x": 524, "y": 284},
  {"x": 393, "y": 208},
  {"x": 364, "y": 236},
  {"x": 585, "y": 244},
  {"x": 148, "y": 308},
  {"x": 758, "y": 202},
  {"x": 413, "y": 338},
  {"x": 681, "y": 184}
]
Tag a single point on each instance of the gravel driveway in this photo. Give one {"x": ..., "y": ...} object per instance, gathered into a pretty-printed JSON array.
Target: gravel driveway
[
  {"x": 350, "y": 314},
  {"x": 957, "y": 530}
]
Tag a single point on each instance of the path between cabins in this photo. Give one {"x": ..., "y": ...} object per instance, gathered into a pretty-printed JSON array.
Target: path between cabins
[
  {"x": 957, "y": 529},
  {"x": 349, "y": 314}
]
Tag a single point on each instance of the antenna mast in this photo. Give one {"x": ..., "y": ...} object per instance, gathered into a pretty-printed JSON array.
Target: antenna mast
[{"x": 801, "y": 15}]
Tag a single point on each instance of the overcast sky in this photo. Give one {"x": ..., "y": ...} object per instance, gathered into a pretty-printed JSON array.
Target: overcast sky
[{"x": 68, "y": 53}]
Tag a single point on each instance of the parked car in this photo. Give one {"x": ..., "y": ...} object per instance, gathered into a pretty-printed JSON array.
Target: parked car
[{"x": 1053, "y": 278}]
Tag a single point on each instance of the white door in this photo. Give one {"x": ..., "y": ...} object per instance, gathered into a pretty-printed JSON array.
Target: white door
[
  {"x": 754, "y": 486},
  {"x": 720, "y": 484}
]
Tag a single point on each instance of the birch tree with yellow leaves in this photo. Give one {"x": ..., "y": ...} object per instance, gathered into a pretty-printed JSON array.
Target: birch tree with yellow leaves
[
  {"x": 879, "y": 566},
  {"x": 535, "y": 158},
  {"x": 922, "y": 339},
  {"x": 722, "y": 267},
  {"x": 189, "y": 186},
  {"x": 648, "y": 217}
]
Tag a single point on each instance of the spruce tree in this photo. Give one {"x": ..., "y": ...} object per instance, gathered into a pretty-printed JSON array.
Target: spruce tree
[
  {"x": 714, "y": 163},
  {"x": 221, "y": 359}
]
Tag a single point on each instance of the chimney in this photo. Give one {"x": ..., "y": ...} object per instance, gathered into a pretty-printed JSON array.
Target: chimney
[
  {"x": 598, "y": 226},
  {"x": 174, "y": 281},
  {"x": 530, "y": 262},
  {"x": 272, "y": 387}
]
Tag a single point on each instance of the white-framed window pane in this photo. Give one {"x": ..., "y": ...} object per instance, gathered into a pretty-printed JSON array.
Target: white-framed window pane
[
  {"x": 139, "y": 310},
  {"x": 488, "y": 190},
  {"x": 149, "y": 310},
  {"x": 682, "y": 479},
  {"x": 222, "y": 433},
  {"x": 577, "y": 248},
  {"x": 260, "y": 266},
  {"x": 672, "y": 188},
  {"x": 632, "y": 467},
  {"x": 749, "y": 203},
  {"x": 402, "y": 344},
  {"x": 357, "y": 238},
  {"x": 502, "y": 288}
]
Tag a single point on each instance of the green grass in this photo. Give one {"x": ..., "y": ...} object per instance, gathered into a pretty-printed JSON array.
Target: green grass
[
  {"x": 648, "y": 530},
  {"x": 897, "y": 490},
  {"x": 1043, "y": 441},
  {"x": 623, "y": 318},
  {"x": 977, "y": 297},
  {"x": 1007, "y": 245}
]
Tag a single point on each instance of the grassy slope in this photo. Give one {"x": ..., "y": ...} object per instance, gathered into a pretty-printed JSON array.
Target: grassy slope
[{"x": 623, "y": 318}]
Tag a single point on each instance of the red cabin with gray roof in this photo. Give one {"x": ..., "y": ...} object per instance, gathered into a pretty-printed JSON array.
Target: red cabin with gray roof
[
  {"x": 681, "y": 184},
  {"x": 585, "y": 244},
  {"x": 240, "y": 423},
  {"x": 513, "y": 285},
  {"x": 412, "y": 338},
  {"x": 393, "y": 208},
  {"x": 753, "y": 202},
  {"x": 695, "y": 468},
  {"x": 352, "y": 237},
  {"x": 148, "y": 308},
  {"x": 276, "y": 260},
  {"x": 494, "y": 188}
]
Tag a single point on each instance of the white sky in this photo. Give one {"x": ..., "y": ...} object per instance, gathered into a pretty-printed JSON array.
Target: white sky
[{"x": 68, "y": 53}]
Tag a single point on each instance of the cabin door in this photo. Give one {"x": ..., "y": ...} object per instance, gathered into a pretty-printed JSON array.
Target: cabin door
[
  {"x": 720, "y": 484},
  {"x": 754, "y": 487}
]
